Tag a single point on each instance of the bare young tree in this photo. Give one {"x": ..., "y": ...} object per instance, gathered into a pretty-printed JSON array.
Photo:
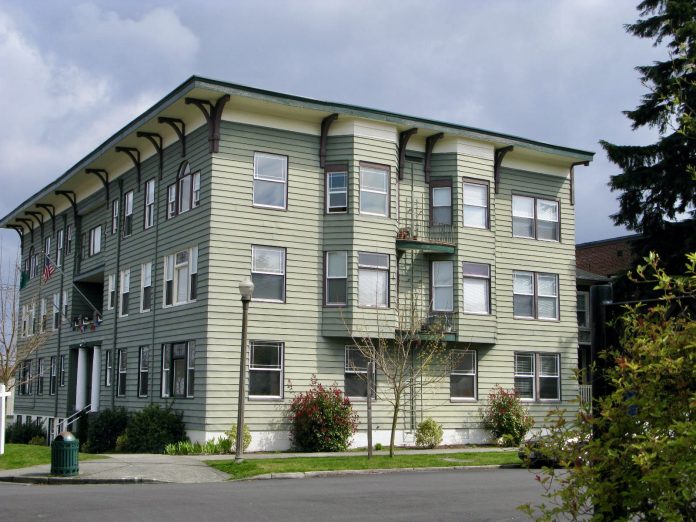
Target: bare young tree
[
  {"x": 20, "y": 337},
  {"x": 415, "y": 353}
]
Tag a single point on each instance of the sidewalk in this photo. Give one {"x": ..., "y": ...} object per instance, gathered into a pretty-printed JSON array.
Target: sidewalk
[{"x": 119, "y": 468}]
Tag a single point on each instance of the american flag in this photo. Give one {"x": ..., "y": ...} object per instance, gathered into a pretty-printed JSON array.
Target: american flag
[{"x": 48, "y": 269}]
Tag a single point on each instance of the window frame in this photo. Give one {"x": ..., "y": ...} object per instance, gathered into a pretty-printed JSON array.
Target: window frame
[
  {"x": 114, "y": 216},
  {"x": 354, "y": 370},
  {"x": 433, "y": 286},
  {"x": 328, "y": 276},
  {"x": 536, "y": 375},
  {"x": 124, "y": 293},
  {"x": 40, "y": 376},
  {"x": 167, "y": 366},
  {"x": 376, "y": 268},
  {"x": 53, "y": 376},
  {"x": 441, "y": 184},
  {"x": 174, "y": 191},
  {"x": 122, "y": 372},
  {"x": 111, "y": 292},
  {"x": 69, "y": 238},
  {"x": 328, "y": 171},
  {"x": 143, "y": 371},
  {"x": 535, "y": 217},
  {"x": 61, "y": 371},
  {"x": 466, "y": 276},
  {"x": 535, "y": 296},
  {"x": 60, "y": 239},
  {"x": 149, "y": 206},
  {"x": 472, "y": 373},
  {"x": 487, "y": 214},
  {"x": 145, "y": 275},
  {"x": 170, "y": 288},
  {"x": 282, "y": 274},
  {"x": 285, "y": 182},
  {"x": 387, "y": 194},
  {"x": 128, "y": 205},
  {"x": 108, "y": 369},
  {"x": 280, "y": 369},
  {"x": 95, "y": 240}
]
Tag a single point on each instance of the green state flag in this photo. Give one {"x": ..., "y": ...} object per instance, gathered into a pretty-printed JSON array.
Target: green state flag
[{"x": 23, "y": 280}]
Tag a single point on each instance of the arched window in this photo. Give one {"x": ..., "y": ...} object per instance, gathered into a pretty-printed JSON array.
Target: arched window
[
  {"x": 184, "y": 195},
  {"x": 33, "y": 263}
]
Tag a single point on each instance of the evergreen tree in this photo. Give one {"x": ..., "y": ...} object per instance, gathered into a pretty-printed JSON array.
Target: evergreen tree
[{"x": 658, "y": 182}]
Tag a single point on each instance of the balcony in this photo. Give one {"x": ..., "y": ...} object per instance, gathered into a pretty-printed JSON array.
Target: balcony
[
  {"x": 585, "y": 394},
  {"x": 417, "y": 231}
]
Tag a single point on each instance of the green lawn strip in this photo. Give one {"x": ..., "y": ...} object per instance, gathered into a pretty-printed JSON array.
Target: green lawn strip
[
  {"x": 253, "y": 467},
  {"x": 25, "y": 455}
]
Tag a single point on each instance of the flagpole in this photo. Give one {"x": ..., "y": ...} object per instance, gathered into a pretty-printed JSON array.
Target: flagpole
[{"x": 75, "y": 287}]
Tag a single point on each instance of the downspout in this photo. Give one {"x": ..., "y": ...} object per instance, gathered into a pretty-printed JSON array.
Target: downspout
[
  {"x": 117, "y": 303},
  {"x": 153, "y": 281},
  {"x": 60, "y": 321}
]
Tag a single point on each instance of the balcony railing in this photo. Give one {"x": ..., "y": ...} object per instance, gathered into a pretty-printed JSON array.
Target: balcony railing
[
  {"x": 585, "y": 394},
  {"x": 416, "y": 226}
]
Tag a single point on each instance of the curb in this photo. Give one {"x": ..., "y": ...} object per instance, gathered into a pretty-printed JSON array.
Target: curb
[
  {"x": 56, "y": 481},
  {"x": 321, "y": 474}
]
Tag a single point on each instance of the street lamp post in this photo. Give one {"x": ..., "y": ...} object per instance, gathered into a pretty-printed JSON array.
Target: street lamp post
[{"x": 246, "y": 288}]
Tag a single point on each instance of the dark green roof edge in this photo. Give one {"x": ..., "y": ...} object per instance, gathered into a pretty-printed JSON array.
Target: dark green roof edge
[{"x": 231, "y": 88}]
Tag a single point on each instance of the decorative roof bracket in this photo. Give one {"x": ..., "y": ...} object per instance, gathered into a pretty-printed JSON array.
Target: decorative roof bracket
[
  {"x": 174, "y": 123},
  {"x": 572, "y": 178},
  {"x": 70, "y": 196},
  {"x": 213, "y": 116},
  {"x": 103, "y": 177},
  {"x": 38, "y": 216},
  {"x": 134, "y": 155},
  {"x": 430, "y": 142},
  {"x": 403, "y": 141},
  {"x": 29, "y": 225},
  {"x": 52, "y": 211},
  {"x": 156, "y": 140},
  {"x": 20, "y": 230},
  {"x": 499, "y": 155},
  {"x": 325, "y": 126}
]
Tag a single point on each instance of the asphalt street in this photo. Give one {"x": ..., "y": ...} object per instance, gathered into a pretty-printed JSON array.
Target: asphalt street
[{"x": 470, "y": 495}]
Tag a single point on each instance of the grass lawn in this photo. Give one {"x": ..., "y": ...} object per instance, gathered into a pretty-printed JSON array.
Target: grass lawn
[
  {"x": 24, "y": 455},
  {"x": 252, "y": 467}
]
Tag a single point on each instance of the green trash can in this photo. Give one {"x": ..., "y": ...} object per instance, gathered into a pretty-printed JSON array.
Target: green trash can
[{"x": 65, "y": 450}]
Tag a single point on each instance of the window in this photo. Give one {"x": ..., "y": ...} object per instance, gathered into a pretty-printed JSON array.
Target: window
[
  {"x": 373, "y": 280},
  {"x": 537, "y": 376},
  {"x": 476, "y": 286},
  {"x": 178, "y": 370},
  {"x": 25, "y": 321},
  {"x": 61, "y": 380},
  {"x": 463, "y": 375},
  {"x": 475, "y": 205},
  {"x": 52, "y": 385},
  {"x": 25, "y": 378},
  {"x": 114, "y": 216},
  {"x": 43, "y": 317},
  {"x": 443, "y": 286},
  {"x": 33, "y": 266},
  {"x": 111, "y": 302},
  {"x": 583, "y": 305},
  {"x": 266, "y": 369},
  {"x": 336, "y": 278},
  {"x": 70, "y": 235},
  {"x": 268, "y": 273},
  {"x": 121, "y": 367},
  {"x": 40, "y": 380},
  {"x": 181, "y": 277},
  {"x": 124, "y": 293},
  {"x": 95, "y": 240},
  {"x": 149, "y": 204},
  {"x": 171, "y": 201},
  {"x": 56, "y": 311},
  {"x": 355, "y": 373},
  {"x": 336, "y": 189},
  {"x": 374, "y": 190},
  {"x": 441, "y": 202},
  {"x": 196, "y": 196},
  {"x": 146, "y": 287},
  {"x": 183, "y": 195},
  {"x": 128, "y": 213},
  {"x": 270, "y": 180},
  {"x": 60, "y": 238},
  {"x": 108, "y": 368},
  {"x": 143, "y": 370},
  {"x": 47, "y": 251},
  {"x": 32, "y": 319},
  {"x": 65, "y": 305},
  {"x": 535, "y": 218},
  {"x": 535, "y": 295}
]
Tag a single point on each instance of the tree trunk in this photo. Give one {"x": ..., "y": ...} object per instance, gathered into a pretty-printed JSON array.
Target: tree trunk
[{"x": 395, "y": 418}]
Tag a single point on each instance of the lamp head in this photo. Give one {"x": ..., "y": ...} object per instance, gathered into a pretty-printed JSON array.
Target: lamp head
[{"x": 246, "y": 288}]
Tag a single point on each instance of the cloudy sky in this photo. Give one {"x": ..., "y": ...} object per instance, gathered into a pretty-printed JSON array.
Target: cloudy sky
[{"x": 558, "y": 71}]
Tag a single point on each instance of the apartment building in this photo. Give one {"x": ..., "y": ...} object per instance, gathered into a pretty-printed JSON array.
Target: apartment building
[{"x": 342, "y": 216}]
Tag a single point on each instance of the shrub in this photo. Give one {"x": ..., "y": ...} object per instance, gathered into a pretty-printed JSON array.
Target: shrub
[
  {"x": 505, "y": 417},
  {"x": 38, "y": 441},
  {"x": 152, "y": 428},
  {"x": 232, "y": 436},
  {"x": 428, "y": 434},
  {"x": 219, "y": 446},
  {"x": 22, "y": 434},
  {"x": 104, "y": 428},
  {"x": 379, "y": 446},
  {"x": 121, "y": 442},
  {"x": 322, "y": 419}
]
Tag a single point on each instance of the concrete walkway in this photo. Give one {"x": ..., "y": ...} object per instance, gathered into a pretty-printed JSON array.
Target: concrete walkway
[{"x": 119, "y": 468}]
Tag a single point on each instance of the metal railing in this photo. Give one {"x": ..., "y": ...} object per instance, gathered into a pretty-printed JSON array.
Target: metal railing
[
  {"x": 585, "y": 394},
  {"x": 415, "y": 224},
  {"x": 65, "y": 424}
]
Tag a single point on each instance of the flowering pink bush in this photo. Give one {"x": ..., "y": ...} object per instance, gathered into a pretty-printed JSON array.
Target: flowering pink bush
[
  {"x": 506, "y": 417},
  {"x": 322, "y": 419}
]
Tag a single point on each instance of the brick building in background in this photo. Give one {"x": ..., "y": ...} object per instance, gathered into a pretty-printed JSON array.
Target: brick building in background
[{"x": 607, "y": 257}]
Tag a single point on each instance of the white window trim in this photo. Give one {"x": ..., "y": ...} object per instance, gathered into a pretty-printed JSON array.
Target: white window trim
[
  {"x": 146, "y": 351},
  {"x": 143, "y": 268},
  {"x": 328, "y": 277},
  {"x": 475, "y": 277},
  {"x": 284, "y": 182},
  {"x": 111, "y": 287},
  {"x": 114, "y": 216},
  {"x": 535, "y": 296},
  {"x": 128, "y": 203},
  {"x": 473, "y": 373},
  {"x": 434, "y": 286},
  {"x": 535, "y": 218},
  {"x": 329, "y": 191},
  {"x": 348, "y": 369},
  {"x": 94, "y": 234},
  {"x": 60, "y": 238},
  {"x": 192, "y": 264},
  {"x": 376, "y": 268},
  {"x": 124, "y": 288},
  {"x": 536, "y": 375},
  {"x": 280, "y": 369},
  {"x": 122, "y": 356},
  {"x": 386, "y": 170},
  {"x": 282, "y": 273},
  {"x": 149, "y": 215},
  {"x": 486, "y": 224}
]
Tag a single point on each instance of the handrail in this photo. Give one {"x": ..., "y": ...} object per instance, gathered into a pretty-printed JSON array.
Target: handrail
[{"x": 69, "y": 421}]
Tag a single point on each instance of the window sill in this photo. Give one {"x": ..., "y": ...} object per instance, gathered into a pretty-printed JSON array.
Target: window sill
[
  {"x": 456, "y": 400},
  {"x": 368, "y": 307},
  {"x": 267, "y": 301},
  {"x": 269, "y": 207},
  {"x": 476, "y": 313},
  {"x": 262, "y": 398},
  {"x": 337, "y": 305}
]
